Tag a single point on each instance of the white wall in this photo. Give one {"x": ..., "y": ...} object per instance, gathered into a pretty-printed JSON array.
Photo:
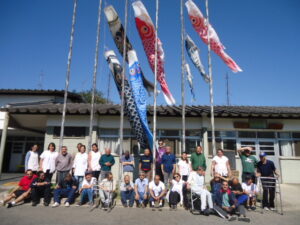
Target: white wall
[{"x": 289, "y": 170}]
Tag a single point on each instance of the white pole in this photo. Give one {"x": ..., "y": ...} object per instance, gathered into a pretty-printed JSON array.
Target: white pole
[
  {"x": 3, "y": 140},
  {"x": 67, "y": 76},
  {"x": 95, "y": 77},
  {"x": 211, "y": 91},
  {"x": 123, "y": 89},
  {"x": 182, "y": 77},
  {"x": 155, "y": 90}
]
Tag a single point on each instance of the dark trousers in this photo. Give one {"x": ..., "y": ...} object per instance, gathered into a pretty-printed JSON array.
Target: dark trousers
[
  {"x": 127, "y": 196},
  {"x": 64, "y": 193},
  {"x": 268, "y": 192},
  {"x": 41, "y": 192},
  {"x": 245, "y": 175},
  {"x": 60, "y": 176},
  {"x": 174, "y": 198},
  {"x": 158, "y": 171},
  {"x": 48, "y": 175},
  {"x": 96, "y": 174},
  {"x": 185, "y": 178}
]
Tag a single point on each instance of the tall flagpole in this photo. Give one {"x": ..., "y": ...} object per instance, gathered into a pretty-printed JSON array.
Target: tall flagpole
[
  {"x": 211, "y": 91},
  {"x": 67, "y": 76},
  {"x": 155, "y": 90},
  {"x": 95, "y": 77},
  {"x": 182, "y": 77}
]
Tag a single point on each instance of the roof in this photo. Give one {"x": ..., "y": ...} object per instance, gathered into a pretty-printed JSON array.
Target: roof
[
  {"x": 167, "y": 111},
  {"x": 71, "y": 95}
]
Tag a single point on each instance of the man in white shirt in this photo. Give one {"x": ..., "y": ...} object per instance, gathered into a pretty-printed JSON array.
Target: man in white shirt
[
  {"x": 107, "y": 191},
  {"x": 197, "y": 185},
  {"x": 157, "y": 191},
  {"x": 32, "y": 159},
  {"x": 220, "y": 164},
  {"x": 47, "y": 162},
  {"x": 87, "y": 189}
]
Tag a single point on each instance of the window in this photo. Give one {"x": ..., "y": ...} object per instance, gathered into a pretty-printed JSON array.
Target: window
[
  {"x": 285, "y": 135},
  {"x": 296, "y": 135},
  {"x": 285, "y": 148},
  {"x": 193, "y": 133},
  {"x": 190, "y": 145},
  {"x": 297, "y": 148},
  {"x": 228, "y": 134},
  {"x": 247, "y": 134},
  {"x": 218, "y": 145},
  {"x": 71, "y": 132},
  {"x": 169, "y": 133},
  {"x": 257, "y": 124},
  {"x": 267, "y": 147},
  {"x": 265, "y": 135},
  {"x": 229, "y": 144},
  {"x": 250, "y": 144}
]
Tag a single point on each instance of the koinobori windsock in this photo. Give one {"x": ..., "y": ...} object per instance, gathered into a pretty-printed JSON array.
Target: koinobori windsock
[
  {"x": 189, "y": 77},
  {"x": 202, "y": 27},
  {"x": 129, "y": 103},
  {"x": 147, "y": 33},
  {"x": 117, "y": 31},
  {"x": 194, "y": 54},
  {"x": 139, "y": 92}
]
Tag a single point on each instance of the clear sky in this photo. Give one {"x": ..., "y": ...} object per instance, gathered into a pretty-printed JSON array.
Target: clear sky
[{"x": 261, "y": 35}]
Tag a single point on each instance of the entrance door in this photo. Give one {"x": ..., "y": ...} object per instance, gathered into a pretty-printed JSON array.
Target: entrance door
[{"x": 17, "y": 156}]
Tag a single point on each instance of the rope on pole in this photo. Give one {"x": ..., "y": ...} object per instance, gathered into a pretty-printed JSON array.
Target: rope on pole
[
  {"x": 155, "y": 89},
  {"x": 68, "y": 76},
  {"x": 123, "y": 89},
  {"x": 211, "y": 91},
  {"x": 95, "y": 77},
  {"x": 182, "y": 77}
]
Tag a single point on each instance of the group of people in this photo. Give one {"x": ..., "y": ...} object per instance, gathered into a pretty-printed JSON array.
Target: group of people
[{"x": 89, "y": 175}]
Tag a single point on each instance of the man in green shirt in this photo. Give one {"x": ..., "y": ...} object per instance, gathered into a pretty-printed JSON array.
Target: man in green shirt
[
  {"x": 249, "y": 163},
  {"x": 198, "y": 159},
  {"x": 106, "y": 162}
]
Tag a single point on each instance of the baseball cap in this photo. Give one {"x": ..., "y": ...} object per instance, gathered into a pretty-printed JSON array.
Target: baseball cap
[{"x": 262, "y": 154}]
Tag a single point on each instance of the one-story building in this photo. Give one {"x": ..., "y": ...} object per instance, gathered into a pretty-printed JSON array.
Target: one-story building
[{"x": 274, "y": 130}]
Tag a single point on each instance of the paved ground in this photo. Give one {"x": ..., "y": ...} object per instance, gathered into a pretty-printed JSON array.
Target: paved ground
[{"x": 41, "y": 215}]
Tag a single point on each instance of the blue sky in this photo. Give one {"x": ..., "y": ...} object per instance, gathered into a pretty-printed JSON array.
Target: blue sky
[{"x": 262, "y": 37}]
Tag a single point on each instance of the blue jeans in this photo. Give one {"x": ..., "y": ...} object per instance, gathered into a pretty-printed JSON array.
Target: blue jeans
[
  {"x": 242, "y": 199},
  {"x": 64, "y": 193},
  {"x": 79, "y": 180},
  {"x": 127, "y": 195},
  {"x": 141, "y": 200},
  {"x": 87, "y": 194}
]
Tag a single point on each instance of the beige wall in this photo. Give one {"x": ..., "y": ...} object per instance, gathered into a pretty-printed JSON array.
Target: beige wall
[{"x": 289, "y": 170}]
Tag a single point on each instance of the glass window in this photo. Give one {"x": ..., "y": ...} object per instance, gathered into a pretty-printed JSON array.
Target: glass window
[
  {"x": 111, "y": 143},
  {"x": 193, "y": 133},
  {"x": 229, "y": 144},
  {"x": 297, "y": 148},
  {"x": 296, "y": 134},
  {"x": 173, "y": 143},
  {"x": 285, "y": 135},
  {"x": 267, "y": 147},
  {"x": 217, "y": 133},
  {"x": 247, "y": 134},
  {"x": 285, "y": 148},
  {"x": 169, "y": 133},
  {"x": 218, "y": 145},
  {"x": 250, "y": 144},
  {"x": 265, "y": 134},
  {"x": 70, "y": 132},
  {"x": 190, "y": 145},
  {"x": 257, "y": 123},
  {"x": 228, "y": 134}
]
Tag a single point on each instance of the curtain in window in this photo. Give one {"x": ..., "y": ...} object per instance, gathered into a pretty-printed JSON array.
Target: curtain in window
[
  {"x": 286, "y": 148},
  {"x": 111, "y": 143}
]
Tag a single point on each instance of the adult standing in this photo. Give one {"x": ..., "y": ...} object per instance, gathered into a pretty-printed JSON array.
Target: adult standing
[
  {"x": 93, "y": 161},
  {"x": 249, "y": 163},
  {"x": 184, "y": 167},
  {"x": 128, "y": 164},
  {"x": 80, "y": 165},
  {"x": 145, "y": 164},
  {"x": 106, "y": 161},
  {"x": 198, "y": 159},
  {"x": 220, "y": 164},
  {"x": 32, "y": 159},
  {"x": 267, "y": 169},
  {"x": 160, "y": 152},
  {"x": 47, "y": 162},
  {"x": 168, "y": 166},
  {"x": 63, "y": 164}
]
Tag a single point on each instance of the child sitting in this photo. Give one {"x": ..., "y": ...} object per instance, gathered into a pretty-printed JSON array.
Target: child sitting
[{"x": 251, "y": 190}]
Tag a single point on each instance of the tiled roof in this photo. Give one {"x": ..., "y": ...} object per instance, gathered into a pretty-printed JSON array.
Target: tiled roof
[
  {"x": 170, "y": 111},
  {"x": 71, "y": 95}
]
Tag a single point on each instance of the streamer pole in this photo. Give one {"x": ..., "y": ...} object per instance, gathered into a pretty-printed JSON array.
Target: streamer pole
[{"x": 67, "y": 77}]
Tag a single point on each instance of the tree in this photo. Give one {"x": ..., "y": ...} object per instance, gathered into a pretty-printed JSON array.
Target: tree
[{"x": 99, "y": 98}]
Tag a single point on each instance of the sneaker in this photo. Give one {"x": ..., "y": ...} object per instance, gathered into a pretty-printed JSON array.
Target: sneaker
[
  {"x": 272, "y": 209},
  {"x": 67, "y": 204},
  {"x": 79, "y": 204},
  {"x": 46, "y": 204},
  {"x": 231, "y": 218},
  {"x": 1, "y": 202},
  {"x": 9, "y": 205},
  {"x": 34, "y": 204},
  {"x": 125, "y": 205},
  {"x": 56, "y": 204},
  {"x": 253, "y": 208},
  {"x": 205, "y": 212},
  {"x": 244, "y": 219},
  {"x": 143, "y": 205},
  {"x": 91, "y": 204},
  {"x": 266, "y": 208}
]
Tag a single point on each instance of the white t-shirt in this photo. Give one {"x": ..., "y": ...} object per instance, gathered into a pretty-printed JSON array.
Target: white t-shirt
[
  {"x": 196, "y": 181},
  {"x": 184, "y": 168},
  {"x": 33, "y": 161},
  {"x": 49, "y": 160},
  {"x": 95, "y": 157},
  {"x": 157, "y": 189},
  {"x": 80, "y": 164},
  {"x": 93, "y": 182},
  {"x": 251, "y": 189},
  {"x": 221, "y": 166},
  {"x": 177, "y": 186}
]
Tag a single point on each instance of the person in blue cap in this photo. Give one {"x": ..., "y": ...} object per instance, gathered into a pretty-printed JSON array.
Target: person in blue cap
[{"x": 265, "y": 169}]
